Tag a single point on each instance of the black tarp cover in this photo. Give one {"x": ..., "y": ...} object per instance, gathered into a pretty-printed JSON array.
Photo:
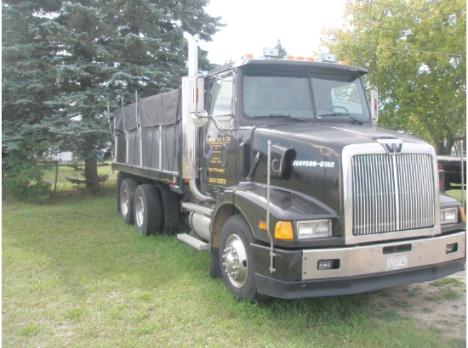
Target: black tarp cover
[
  {"x": 157, "y": 110},
  {"x": 158, "y": 117}
]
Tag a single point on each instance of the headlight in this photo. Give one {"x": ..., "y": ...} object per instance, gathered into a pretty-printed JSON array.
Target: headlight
[
  {"x": 449, "y": 216},
  {"x": 314, "y": 229}
]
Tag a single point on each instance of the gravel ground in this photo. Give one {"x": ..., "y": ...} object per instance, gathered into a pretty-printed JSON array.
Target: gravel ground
[{"x": 438, "y": 305}]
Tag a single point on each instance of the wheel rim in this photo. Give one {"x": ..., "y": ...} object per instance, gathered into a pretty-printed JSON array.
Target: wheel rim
[
  {"x": 124, "y": 202},
  {"x": 235, "y": 261},
  {"x": 139, "y": 211}
]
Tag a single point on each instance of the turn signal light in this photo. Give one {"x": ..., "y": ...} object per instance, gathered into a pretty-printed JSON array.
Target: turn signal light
[
  {"x": 462, "y": 214},
  {"x": 262, "y": 225},
  {"x": 284, "y": 230}
]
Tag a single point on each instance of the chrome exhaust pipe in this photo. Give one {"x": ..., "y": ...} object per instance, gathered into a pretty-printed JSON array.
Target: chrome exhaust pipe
[
  {"x": 189, "y": 169},
  {"x": 196, "y": 192},
  {"x": 192, "y": 55}
]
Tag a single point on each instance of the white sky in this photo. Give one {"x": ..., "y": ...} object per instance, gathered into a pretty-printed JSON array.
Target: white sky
[{"x": 251, "y": 25}]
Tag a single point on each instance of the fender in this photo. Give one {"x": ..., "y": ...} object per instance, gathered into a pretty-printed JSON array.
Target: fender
[{"x": 249, "y": 200}]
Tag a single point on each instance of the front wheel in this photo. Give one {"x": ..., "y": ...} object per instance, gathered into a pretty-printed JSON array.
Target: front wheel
[{"x": 236, "y": 261}]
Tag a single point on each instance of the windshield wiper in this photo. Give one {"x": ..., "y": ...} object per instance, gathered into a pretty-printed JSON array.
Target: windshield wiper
[
  {"x": 346, "y": 114},
  {"x": 286, "y": 116}
]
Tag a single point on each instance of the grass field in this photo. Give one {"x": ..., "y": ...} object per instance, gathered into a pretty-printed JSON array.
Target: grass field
[
  {"x": 66, "y": 171},
  {"x": 75, "y": 275}
]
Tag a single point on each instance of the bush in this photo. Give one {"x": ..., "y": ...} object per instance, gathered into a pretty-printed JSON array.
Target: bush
[{"x": 23, "y": 181}]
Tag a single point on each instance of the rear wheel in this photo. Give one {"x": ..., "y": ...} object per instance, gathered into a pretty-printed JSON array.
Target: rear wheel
[
  {"x": 147, "y": 210},
  {"x": 236, "y": 260},
  {"x": 126, "y": 193}
]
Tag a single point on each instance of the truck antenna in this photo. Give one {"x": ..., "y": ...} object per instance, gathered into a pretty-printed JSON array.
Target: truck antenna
[{"x": 272, "y": 251}]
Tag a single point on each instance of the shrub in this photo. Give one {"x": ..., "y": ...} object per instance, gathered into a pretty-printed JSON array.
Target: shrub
[{"x": 23, "y": 181}]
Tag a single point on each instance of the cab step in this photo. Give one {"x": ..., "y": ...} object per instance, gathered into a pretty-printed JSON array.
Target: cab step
[{"x": 192, "y": 241}]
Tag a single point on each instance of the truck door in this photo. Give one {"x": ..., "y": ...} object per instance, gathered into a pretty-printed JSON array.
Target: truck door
[{"x": 219, "y": 140}]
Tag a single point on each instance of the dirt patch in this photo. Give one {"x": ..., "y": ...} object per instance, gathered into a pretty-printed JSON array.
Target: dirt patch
[{"x": 438, "y": 305}]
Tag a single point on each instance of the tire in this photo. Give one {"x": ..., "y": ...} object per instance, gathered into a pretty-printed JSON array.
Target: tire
[
  {"x": 235, "y": 252},
  {"x": 170, "y": 209},
  {"x": 126, "y": 193},
  {"x": 147, "y": 210}
]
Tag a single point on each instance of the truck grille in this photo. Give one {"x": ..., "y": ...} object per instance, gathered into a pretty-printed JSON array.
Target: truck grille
[{"x": 392, "y": 193}]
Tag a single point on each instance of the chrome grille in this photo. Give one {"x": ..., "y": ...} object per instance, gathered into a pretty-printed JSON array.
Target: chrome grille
[{"x": 392, "y": 192}]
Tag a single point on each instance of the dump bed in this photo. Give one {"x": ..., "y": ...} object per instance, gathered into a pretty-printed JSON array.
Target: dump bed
[{"x": 147, "y": 137}]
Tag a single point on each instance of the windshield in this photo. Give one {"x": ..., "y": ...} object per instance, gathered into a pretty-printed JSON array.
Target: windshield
[
  {"x": 266, "y": 96},
  {"x": 304, "y": 97}
]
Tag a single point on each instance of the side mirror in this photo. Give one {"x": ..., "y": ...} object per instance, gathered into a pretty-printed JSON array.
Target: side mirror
[{"x": 374, "y": 104}]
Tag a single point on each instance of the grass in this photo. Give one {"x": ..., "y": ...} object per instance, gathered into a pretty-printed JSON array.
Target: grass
[
  {"x": 66, "y": 171},
  {"x": 448, "y": 282},
  {"x": 457, "y": 194},
  {"x": 75, "y": 275}
]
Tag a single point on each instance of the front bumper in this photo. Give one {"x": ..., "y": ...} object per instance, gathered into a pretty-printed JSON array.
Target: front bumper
[{"x": 361, "y": 268}]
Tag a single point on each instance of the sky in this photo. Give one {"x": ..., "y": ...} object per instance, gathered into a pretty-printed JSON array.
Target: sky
[{"x": 251, "y": 25}]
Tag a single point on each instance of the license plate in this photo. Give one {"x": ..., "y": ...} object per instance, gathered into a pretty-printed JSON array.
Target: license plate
[{"x": 395, "y": 262}]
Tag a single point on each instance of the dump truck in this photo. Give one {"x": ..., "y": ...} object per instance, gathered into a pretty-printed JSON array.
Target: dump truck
[{"x": 281, "y": 174}]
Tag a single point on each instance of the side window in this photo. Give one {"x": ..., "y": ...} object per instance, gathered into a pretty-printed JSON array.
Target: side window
[{"x": 221, "y": 97}]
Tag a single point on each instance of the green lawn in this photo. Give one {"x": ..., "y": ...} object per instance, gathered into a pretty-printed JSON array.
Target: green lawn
[
  {"x": 66, "y": 171},
  {"x": 75, "y": 275}
]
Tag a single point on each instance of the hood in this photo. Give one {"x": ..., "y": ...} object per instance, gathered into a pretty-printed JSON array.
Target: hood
[
  {"x": 317, "y": 164},
  {"x": 333, "y": 136}
]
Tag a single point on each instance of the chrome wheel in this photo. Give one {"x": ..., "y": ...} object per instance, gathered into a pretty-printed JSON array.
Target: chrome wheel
[
  {"x": 124, "y": 202},
  {"x": 139, "y": 211},
  {"x": 235, "y": 261}
]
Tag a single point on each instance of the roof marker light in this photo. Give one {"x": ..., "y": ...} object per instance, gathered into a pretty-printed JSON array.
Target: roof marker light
[
  {"x": 328, "y": 57},
  {"x": 247, "y": 56}
]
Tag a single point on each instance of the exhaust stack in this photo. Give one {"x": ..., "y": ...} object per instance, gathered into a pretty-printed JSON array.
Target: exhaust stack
[
  {"x": 192, "y": 63},
  {"x": 189, "y": 131}
]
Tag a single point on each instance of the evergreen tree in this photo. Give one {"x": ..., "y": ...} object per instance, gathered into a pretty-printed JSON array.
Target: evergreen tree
[
  {"x": 88, "y": 53},
  {"x": 28, "y": 81},
  {"x": 108, "y": 50}
]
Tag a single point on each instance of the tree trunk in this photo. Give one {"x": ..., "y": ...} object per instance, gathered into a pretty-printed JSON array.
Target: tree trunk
[
  {"x": 91, "y": 174},
  {"x": 444, "y": 146}
]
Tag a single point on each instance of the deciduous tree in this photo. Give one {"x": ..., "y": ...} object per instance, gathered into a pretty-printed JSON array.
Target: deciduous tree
[{"x": 415, "y": 53}]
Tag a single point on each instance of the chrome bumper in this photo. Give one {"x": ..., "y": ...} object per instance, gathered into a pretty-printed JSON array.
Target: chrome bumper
[{"x": 382, "y": 257}]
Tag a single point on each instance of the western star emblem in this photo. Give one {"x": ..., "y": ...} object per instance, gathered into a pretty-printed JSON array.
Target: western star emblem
[{"x": 391, "y": 145}]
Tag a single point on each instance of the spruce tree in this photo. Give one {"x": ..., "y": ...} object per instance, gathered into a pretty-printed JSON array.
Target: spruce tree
[
  {"x": 64, "y": 61},
  {"x": 110, "y": 49},
  {"x": 27, "y": 84}
]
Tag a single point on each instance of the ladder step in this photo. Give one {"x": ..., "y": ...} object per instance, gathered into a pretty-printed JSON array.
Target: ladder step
[{"x": 192, "y": 241}]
